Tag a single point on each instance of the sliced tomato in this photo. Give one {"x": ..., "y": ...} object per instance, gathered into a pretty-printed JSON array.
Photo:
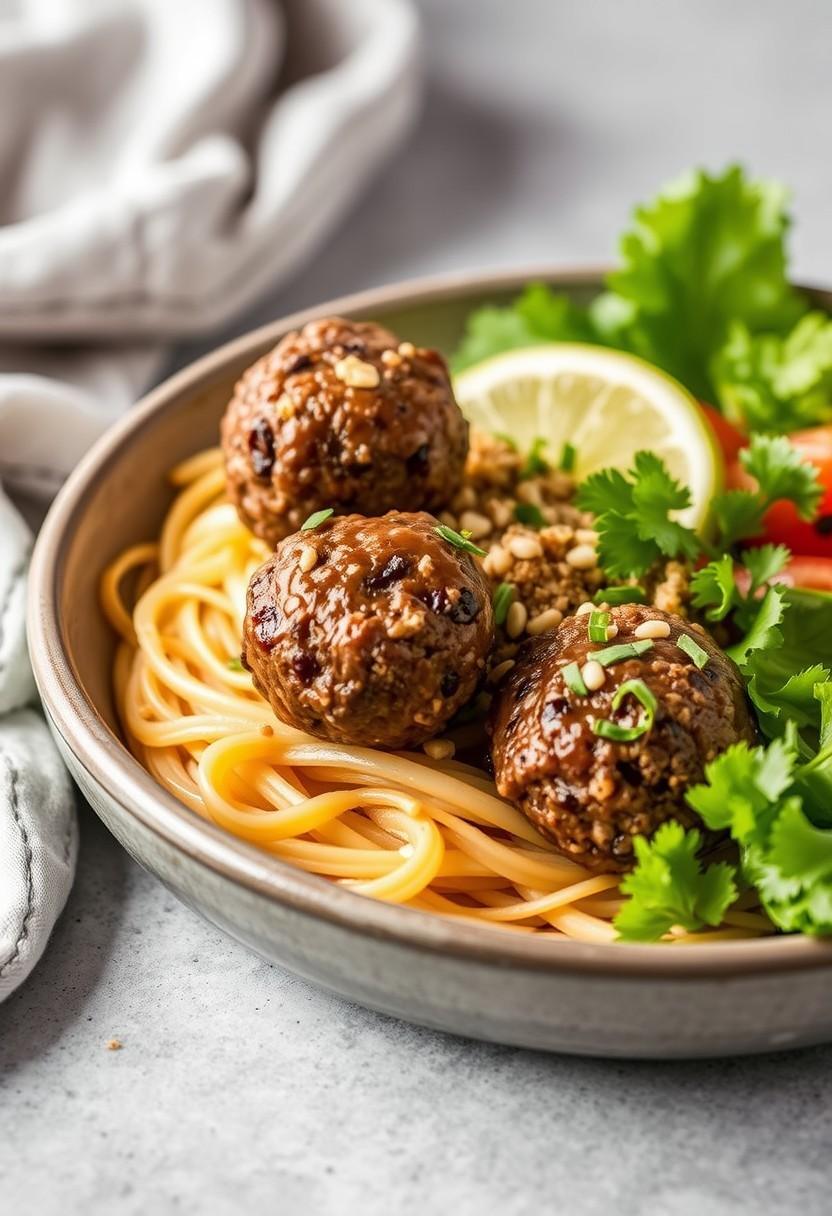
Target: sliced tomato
[
  {"x": 812, "y": 572},
  {"x": 783, "y": 525},
  {"x": 727, "y": 436}
]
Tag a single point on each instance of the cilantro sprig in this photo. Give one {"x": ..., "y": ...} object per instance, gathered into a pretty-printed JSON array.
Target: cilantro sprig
[
  {"x": 780, "y": 473},
  {"x": 636, "y": 512},
  {"x": 669, "y": 887},
  {"x": 633, "y": 516},
  {"x": 775, "y": 801}
]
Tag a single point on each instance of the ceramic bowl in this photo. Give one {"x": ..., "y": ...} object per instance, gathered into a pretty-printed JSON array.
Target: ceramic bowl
[{"x": 611, "y": 1000}]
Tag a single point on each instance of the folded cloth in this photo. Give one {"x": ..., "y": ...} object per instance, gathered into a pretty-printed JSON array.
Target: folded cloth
[{"x": 161, "y": 163}]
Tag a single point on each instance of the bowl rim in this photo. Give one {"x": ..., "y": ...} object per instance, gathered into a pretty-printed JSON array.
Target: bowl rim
[{"x": 107, "y": 762}]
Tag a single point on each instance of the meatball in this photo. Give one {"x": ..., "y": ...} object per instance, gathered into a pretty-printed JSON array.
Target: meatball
[
  {"x": 591, "y": 795},
  {"x": 343, "y": 415},
  {"x": 368, "y": 631}
]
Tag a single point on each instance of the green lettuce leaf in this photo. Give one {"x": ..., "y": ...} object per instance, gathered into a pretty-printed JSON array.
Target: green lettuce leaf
[
  {"x": 770, "y": 382},
  {"x": 538, "y": 315},
  {"x": 708, "y": 252}
]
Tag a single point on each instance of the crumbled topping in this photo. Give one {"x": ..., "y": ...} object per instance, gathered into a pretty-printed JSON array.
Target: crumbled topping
[{"x": 355, "y": 373}]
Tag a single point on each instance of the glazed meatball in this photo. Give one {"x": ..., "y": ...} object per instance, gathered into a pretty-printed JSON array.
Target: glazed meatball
[
  {"x": 342, "y": 415},
  {"x": 591, "y": 795},
  {"x": 368, "y": 631}
]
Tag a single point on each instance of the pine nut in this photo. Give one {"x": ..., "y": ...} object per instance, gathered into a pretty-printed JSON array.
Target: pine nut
[
  {"x": 500, "y": 512},
  {"x": 478, "y": 525},
  {"x": 308, "y": 558},
  {"x": 582, "y": 557},
  {"x": 612, "y": 631},
  {"x": 516, "y": 618},
  {"x": 448, "y": 520},
  {"x": 544, "y": 621},
  {"x": 502, "y": 669},
  {"x": 355, "y": 373},
  {"x": 439, "y": 749},
  {"x": 407, "y": 350},
  {"x": 652, "y": 629},
  {"x": 529, "y": 492},
  {"x": 586, "y": 606},
  {"x": 499, "y": 560},
  {"x": 586, "y": 536},
  {"x": 593, "y": 675},
  {"x": 526, "y": 548}
]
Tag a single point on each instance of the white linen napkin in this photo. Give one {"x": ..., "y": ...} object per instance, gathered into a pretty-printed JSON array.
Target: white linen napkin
[{"x": 161, "y": 164}]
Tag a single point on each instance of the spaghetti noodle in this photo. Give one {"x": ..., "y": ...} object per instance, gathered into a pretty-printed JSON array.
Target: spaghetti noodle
[{"x": 430, "y": 834}]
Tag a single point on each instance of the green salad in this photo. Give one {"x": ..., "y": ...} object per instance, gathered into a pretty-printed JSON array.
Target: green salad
[{"x": 701, "y": 292}]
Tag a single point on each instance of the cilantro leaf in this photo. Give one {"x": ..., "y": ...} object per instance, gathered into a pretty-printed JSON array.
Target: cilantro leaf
[
  {"x": 780, "y": 473},
  {"x": 715, "y": 587},
  {"x": 742, "y": 788},
  {"x": 763, "y": 633},
  {"x": 782, "y": 679},
  {"x": 622, "y": 553},
  {"x": 654, "y": 494},
  {"x": 794, "y": 873},
  {"x": 708, "y": 251},
  {"x": 668, "y": 886},
  {"x": 536, "y": 316},
  {"x": 606, "y": 490},
  {"x": 767, "y": 382},
  {"x": 633, "y": 516},
  {"x": 764, "y": 563},
  {"x": 768, "y": 802},
  {"x": 737, "y": 514}
]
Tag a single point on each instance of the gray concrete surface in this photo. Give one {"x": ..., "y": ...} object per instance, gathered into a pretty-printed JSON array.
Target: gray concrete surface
[{"x": 240, "y": 1088}]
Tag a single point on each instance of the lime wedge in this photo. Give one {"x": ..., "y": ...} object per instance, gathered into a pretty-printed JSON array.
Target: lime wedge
[{"x": 607, "y": 404}]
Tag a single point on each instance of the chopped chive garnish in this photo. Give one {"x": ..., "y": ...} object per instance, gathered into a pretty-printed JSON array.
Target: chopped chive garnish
[
  {"x": 506, "y": 439},
  {"x": 528, "y": 513},
  {"x": 626, "y": 734},
  {"x": 694, "y": 651},
  {"x": 597, "y": 626},
  {"x": 458, "y": 539},
  {"x": 620, "y": 595},
  {"x": 625, "y": 650},
  {"x": 502, "y": 602},
  {"x": 234, "y": 665},
  {"x": 574, "y": 680},
  {"x": 316, "y": 519},
  {"x": 534, "y": 464},
  {"x": 567, "y": 457}
]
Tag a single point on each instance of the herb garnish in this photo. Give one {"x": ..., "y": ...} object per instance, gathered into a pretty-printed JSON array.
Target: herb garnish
[
  {"x": 626, "y": 734},
  {"x": 503, "y": 596},
  {"x": 316, "y": 519},
  {"x": 624, "y": 650},
  {"x": 527, "y": 513},
  {"x": 597, "y": 626},
  {"x": 692, "y": 649},
  {"x": 459, "y": 539},
  {"x": 567, "y": 457},
  {"x": 620, "y": 595},
  {"x": 534, "y": 464},
  {"x": 574, "y": 680}
]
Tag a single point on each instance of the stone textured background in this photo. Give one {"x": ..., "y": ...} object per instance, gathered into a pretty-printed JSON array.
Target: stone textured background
[{"x": 240, "y": 1088}]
